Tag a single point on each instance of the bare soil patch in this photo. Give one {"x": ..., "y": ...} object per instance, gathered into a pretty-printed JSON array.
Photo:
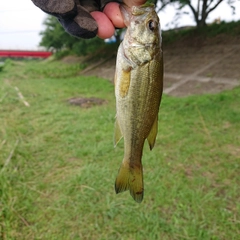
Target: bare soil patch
[{"x": 86, "y": 102}]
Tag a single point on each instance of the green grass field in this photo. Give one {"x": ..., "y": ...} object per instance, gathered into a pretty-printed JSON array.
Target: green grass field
[{"x": 58, "y": 164}]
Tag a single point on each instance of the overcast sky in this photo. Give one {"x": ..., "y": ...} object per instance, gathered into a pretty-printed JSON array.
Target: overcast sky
[{"x": 21, "y": 21}]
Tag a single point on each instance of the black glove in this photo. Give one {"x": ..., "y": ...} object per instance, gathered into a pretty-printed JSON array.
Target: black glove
[{"x": 74, "y": 15}]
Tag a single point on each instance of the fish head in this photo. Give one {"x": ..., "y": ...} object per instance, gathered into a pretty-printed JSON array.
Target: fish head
[{"x": 143, "y": 25}]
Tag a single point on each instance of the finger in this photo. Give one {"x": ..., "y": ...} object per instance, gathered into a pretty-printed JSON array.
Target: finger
[
  {"x": 90, "y": 5},
  {"x": 73, "y": 28},
  {"x": 131, "y": 3},
  {"x": 57, "y": 8},
  {"x": 83, "y": 25},
  {"x": 112, "y": 11},
  {"x": 103, "y": 3},
  {"x": 105, "y": 26}
]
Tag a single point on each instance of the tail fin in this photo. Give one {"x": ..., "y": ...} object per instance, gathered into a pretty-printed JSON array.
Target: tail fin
[{"x": 130, "y": 178}]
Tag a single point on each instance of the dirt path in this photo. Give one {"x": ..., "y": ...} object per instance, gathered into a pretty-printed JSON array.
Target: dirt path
[{"x": 191, "y": 70}]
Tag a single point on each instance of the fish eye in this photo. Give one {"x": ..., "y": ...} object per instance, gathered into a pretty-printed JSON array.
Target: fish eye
[{"x": 152, "y": 25}]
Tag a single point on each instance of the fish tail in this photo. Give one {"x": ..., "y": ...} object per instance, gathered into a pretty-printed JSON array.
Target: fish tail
[{"x": 130, "y": 178}]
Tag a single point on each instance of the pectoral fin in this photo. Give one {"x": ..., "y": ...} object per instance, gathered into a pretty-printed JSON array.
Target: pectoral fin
[
  {"x": 117, "y": 134},
  {"x": 153, "y": 134},
  {"x": 124, "y": 82}
]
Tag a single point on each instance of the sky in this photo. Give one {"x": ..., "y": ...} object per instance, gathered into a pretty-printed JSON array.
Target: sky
[{"x": 21, "y": 22}]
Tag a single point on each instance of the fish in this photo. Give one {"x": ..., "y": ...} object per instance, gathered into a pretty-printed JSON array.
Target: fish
[{"x": 138, "y": 91}]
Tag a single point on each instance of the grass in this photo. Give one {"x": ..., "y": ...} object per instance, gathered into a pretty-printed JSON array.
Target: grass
[{"x": 58, "y": 164}]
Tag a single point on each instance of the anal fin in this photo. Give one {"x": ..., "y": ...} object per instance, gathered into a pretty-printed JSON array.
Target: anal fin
[
  {"x": 117, "y": 133},
  {"x": 153, "y": 134}
]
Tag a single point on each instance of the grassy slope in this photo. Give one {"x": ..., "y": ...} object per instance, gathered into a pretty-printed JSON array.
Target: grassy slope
[
  {"x": 223, "y": 33},
  {"x": 58, "y": 164}
]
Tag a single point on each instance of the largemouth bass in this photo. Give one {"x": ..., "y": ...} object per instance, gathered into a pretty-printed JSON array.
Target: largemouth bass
[{"x": 138, "y": 91}]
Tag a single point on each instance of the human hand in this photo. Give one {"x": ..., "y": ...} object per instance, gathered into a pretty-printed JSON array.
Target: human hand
[
  {"x": 86, "y": 18},
  {"x": 111, "y": 17}
]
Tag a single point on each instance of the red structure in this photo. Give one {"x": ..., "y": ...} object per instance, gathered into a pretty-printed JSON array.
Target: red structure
[{"x": 24, "y": 54}]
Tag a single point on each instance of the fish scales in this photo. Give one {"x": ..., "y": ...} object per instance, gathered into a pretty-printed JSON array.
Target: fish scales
[{"x": 138, "y": 91}]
